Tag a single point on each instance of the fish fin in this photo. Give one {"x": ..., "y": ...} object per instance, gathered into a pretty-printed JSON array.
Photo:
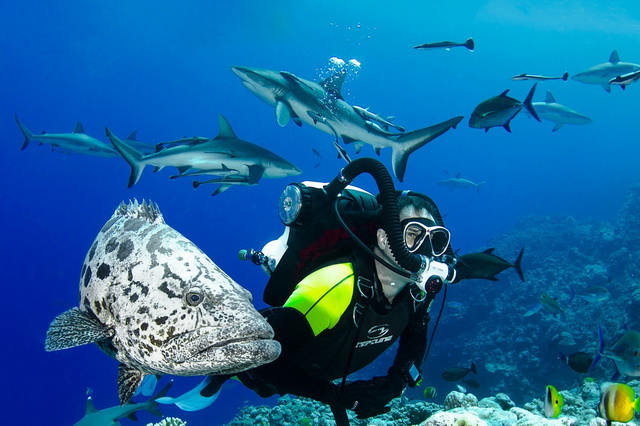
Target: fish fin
[
  {"x": 79, "y": 128},
  {"x": 89, "y": 408},
  {"x": 614, "y": 58},
  {"x": 129, "y": 379},
  {"x": 469, "y": 44},
  {"x": 409, "y": 142},
  {"x": 517, "y": 264},
  {"x": 200, "y": 397},
  {"x": 598, "y": 356},
  {"x": 255, "y": 173},
  {"x": 528, "y": 102},
  {"x": 549, "y": 98},
  {"x": 377, "y": 151},
  {"x": 75, "y": 328},
  {"x": 492, "y": 278},
  {"x": 623, "y": 86},
  {"x": 133, "y": 136},
  {"x": 504, "y": 93},
  {"x": 557, "y": 127},
  {"x": 565, "y": 76},
  {"x": 473, "y": 367},
  {"x": 226, "y": 131},
  {"x": 28, "y": 136},
  {"x": 489, "y": 250},
  {"x": 572, "y": 294},
  {"x": 357, "y": 146},
  {"x": 297, "y": 120},
  {"x": 132, "y": 416},
  {"x": 607, "y": 87},
  {"x": 148, "y": 385},
  {"x": 130, "y": 155},
  {"x": 220, "y": 189},
  {"x": 283, "y": 113},
  {"x": 182, "y": 169}
]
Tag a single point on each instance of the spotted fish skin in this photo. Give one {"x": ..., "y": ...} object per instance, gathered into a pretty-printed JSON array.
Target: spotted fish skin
[{"x": 159, "y": 305}]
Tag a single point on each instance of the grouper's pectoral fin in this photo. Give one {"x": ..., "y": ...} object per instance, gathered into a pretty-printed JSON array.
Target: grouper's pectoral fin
[
  {"x": 75, "y": 328},
  {"x": 283, "y": 113},
  {"x": 129, "y": 379}
]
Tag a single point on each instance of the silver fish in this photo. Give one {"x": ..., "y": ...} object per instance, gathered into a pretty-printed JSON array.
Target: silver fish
[
  {"x": 625, "y": 353},
  {"x": 155, "y": 302}
]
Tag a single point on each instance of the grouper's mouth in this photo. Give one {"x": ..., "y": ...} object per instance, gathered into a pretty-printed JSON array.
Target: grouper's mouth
[{"x": 217, "y": 346}]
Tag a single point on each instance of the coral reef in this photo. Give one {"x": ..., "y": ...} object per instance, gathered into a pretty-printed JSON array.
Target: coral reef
[{"x": 169, "y": 421}]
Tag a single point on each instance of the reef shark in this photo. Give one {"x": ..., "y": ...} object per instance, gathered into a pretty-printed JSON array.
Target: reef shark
[
  {"x": 602, "y": 74},
  {"x": 459, "y": 182},
  {"x": 110, "y": 416},
  {"x": 77, "y": 142},
  {"x": 223, "y": 155},
  {"x": 559, "y": 114},
  {"x": 322, "y": 106}
]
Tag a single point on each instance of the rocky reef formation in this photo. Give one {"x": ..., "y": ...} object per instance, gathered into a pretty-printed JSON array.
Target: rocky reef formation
[{"x": 459, "y": 409}]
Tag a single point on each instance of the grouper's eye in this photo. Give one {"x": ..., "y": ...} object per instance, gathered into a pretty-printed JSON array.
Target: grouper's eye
[{"x": 194, "y": 298}]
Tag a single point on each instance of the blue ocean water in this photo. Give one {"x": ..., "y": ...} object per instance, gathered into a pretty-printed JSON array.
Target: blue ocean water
[{"x": 162, "y": 68}]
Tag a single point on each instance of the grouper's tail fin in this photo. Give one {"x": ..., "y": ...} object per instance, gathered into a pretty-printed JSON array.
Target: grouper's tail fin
[
  {"x": 407, "y": 143},
  {"x": 130, "y": 155},
  {"x": 27, "y": 134}
]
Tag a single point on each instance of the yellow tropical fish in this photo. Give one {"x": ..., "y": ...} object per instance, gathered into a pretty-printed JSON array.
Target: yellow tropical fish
[
  {"x": 617, "y": 402},
  {"x": 553, "y": 402}
]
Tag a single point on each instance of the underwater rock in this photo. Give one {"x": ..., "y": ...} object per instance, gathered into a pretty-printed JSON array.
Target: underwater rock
[
  {"x": 454, "y": 419},
  {"x": 458, "y": 399},
  {"x": 504, "y": 401},
  {"x": 169, "y": 421}
]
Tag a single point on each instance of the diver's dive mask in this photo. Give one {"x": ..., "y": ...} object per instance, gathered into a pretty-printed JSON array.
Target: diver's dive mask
[{"x": 423, "y": 236}]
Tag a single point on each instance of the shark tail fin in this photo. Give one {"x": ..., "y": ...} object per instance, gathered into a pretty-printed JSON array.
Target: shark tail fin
[
  {"x": 469, "y": 44},
  {"x": 517, "y": 264},
  {"x": 27, "y": 134},
  {"x": 565, "y": 76},
  {"x": 407, "y": 143},
  {"x": 528, "y": 105},
  {"x": 130, "y": 155}
]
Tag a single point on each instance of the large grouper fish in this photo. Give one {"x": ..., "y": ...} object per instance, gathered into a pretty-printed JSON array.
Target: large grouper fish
[{"x": 155, "y": 302}]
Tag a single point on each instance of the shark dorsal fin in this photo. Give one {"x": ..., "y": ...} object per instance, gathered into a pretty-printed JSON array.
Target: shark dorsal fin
[
  {"x": 505, "y": 92},
  {"x": 458, "y": 175},
  {"x": 89, "y": 408},
  {"x": 133, "y": 136},
  {"x": 79, "y": 128},
  {"x": 550, "y": 99},
  {"x": 489, "y": 250},
  {"x": 614, "y": 58},
  {"x": 333, "y": 84},
  {"x": 225, "y": 128}
]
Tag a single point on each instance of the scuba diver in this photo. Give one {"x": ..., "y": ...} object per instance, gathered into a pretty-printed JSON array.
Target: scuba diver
[{"x": 352, "y": 274}]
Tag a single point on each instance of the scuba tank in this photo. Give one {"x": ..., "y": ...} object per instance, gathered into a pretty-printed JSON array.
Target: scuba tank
[{"x": 328, "y": 221}]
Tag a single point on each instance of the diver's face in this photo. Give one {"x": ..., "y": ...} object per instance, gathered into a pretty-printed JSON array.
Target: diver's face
[{"x": 410, "y": 237}]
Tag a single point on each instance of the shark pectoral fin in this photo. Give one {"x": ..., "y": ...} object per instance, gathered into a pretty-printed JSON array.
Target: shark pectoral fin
[
  {"x": 607, "y": 87},
  {"x": 297, "y": 120},
  {"x": 557, "y": 127},
  {"x": 183, "y": 169},
  {"x": 377, "y": 150},
  {"x": 255, "y": 173},
  {"x": 75, "y": 328},
  {"x": 129, "y": 379},
  {"x": 283, "y": 113},
  {"x": 220, "y": 189}
]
